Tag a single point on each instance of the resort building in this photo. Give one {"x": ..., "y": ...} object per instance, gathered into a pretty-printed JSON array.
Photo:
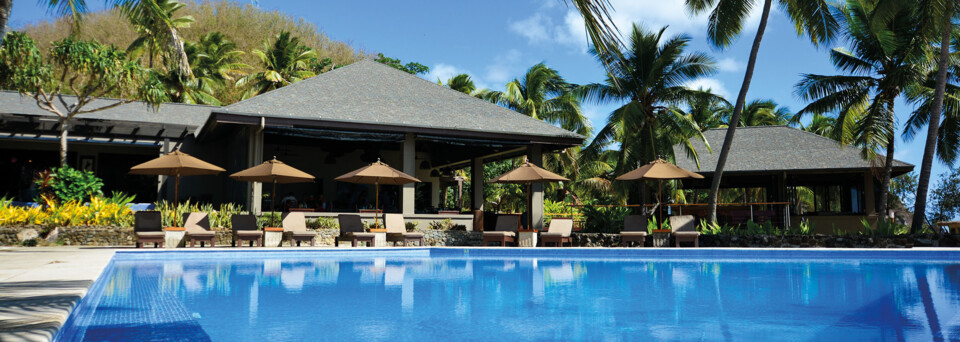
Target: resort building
[
  {"x": 785, "y": 175},
  {"x": 352, "y": 116},
  {"x": 326, "y": 125}
]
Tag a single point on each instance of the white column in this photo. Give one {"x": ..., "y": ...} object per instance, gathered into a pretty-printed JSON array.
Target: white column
[
  {"x": 476, "y": 181},
  {"x": 254, "y": 158},
  {"x": 408, "y": 192},
  {"x": 165, "y": 148},
  {"x": 535, "y": 156}
]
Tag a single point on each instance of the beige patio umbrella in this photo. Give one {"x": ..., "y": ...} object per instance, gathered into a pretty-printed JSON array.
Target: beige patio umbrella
[
  {"x": 377, "y": 173},
  {"x": 273, "y": 171},
  {"x": 660, "y": 170},
  {"x": 527, "y": 173},
  {"x": 176, "y": 164}
]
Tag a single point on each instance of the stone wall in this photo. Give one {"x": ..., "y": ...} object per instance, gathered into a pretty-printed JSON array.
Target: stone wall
[
  {"x": 124, "y": 236},
  {"x": 790, "y": 241}
]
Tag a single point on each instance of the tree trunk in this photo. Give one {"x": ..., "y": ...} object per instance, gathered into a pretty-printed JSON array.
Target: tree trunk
[
  {"x": 885, "y": 177},
  {"x": 6, "y": 6},
  {"x": 64, "y": 129},
  {"x": 933, "y": 125},
  {"x": 735, "y": 117}
]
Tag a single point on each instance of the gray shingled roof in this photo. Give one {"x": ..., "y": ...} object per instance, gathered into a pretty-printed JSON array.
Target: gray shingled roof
[
  {"x": 370, "y": 92},
  {"x": 776, "y": 148},
  {"x": 192, "y": 116}
]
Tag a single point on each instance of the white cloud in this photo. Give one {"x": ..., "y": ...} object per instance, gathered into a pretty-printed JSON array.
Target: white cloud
[
  {"x": 443, "y": 72},
  {"x": 504, "y": 67},
  {"x": 729, "y": 65},
  {"x": 653, "y": 14},
  {"x": 709, "y": 83},
  {"x": 534, "y": 28}
]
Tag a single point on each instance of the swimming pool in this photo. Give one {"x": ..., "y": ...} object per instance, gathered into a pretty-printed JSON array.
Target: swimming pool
[{"x": 431, "y": 294}]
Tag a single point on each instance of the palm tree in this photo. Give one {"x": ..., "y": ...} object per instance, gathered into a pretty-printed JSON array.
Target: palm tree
[
  {"x": 706, "y": 109},
  {"x": 763, "y": 113},
  {"x": 888, "y": 55},
  {"x": 284, "y": 62},
  {"x": 810, "y": 17},
  {"x": 944, "y": 11},
  {"x": 544, "y": 95},
  {"x": 948, "y": 131},
  {"x": 462, "y": 83},
  {"x": 158, "y": 31},
  {"x": 820, "y": 125},
  {"x": 648, "y": 78},
  {"x": 217, "y": 59}
]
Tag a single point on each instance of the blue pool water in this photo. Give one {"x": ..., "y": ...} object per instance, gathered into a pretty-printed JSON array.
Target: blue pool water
[{"x": 546, "y": 294}]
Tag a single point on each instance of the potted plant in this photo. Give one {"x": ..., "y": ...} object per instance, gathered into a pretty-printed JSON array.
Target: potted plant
[{"x": 659, "y": 234}]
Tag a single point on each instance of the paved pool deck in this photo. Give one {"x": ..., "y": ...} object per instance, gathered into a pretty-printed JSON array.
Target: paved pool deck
[{"x": 40, "y": 286}]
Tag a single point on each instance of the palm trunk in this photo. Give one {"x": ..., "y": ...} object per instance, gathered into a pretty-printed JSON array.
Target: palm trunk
[
  {"x": 735, "y": 117},
  {"x": 64, "y": 129},
  {"x": 6, "y": 6},
  {"x": 933, "y": 126},
  {"x": 885, "y": 177}
]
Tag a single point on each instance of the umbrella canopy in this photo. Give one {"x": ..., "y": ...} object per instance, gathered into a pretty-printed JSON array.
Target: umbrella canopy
[
  {"x": 659, "y": 169},
  {"x": 528, "y": 173},
  {"x": 273, "y": 171},
  {"x": 176, "y": 163},
  {"x": 377, "y": 173}
]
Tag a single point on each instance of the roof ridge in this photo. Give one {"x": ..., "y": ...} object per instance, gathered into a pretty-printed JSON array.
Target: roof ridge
[{"x": 122, "y": 99}]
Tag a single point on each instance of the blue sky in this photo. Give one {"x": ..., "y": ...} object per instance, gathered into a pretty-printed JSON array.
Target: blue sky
[{"x": 496, "y": 41}]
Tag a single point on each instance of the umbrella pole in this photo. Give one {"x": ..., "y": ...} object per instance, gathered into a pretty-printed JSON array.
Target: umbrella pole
[
  {"x": 529, "y": 209},
  {"x": 660, "y": 201},
  {"x": 176, "y": 190},
  {"x": 273, "y": 201},
  {"x": 376, "y": 205}
]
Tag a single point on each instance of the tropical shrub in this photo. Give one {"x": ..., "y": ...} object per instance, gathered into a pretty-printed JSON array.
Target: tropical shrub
[
  {"x": 884, "y": 228},
  {"x": 601, "y": 219},
  {"x": 323, "y": 223},
  {"x": 446, "y": 224},
  {"x": 172, "y": 215},
  {"x": 412, "y": 225},
  {"x": 100, "y": 211},
  {"x": 69, "y": 184}
]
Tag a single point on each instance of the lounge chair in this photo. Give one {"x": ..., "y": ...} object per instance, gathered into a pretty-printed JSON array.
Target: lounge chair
[
  {"x": 245, "y": 229},
  {"x": 505, "y": 231},
  {"x": 351, "y": 228},
  {"x": 295, "y": 228},
  {"x": 634, "y": 229},
  {"x": 685, "y": 230},
  {"x": 197, "y": 226},
  {"x": 148, "y": 225},
  {"x": 558, "y": 233},
  {"x": 397, "y": 230}
]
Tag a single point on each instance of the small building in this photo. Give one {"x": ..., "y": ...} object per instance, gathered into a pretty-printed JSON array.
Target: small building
[
  {"x": 326, "y": 125},
  {"x": 786, "y": 175}
]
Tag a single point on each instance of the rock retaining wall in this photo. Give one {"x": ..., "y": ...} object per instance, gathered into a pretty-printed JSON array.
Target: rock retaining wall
[{"x": 124, "y": 236}]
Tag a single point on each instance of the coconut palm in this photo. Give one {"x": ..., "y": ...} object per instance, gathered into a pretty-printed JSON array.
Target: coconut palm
[
  {"x": 810, "y": 17},
  {"x": 820, "y": 125},
  {"x": 887, "y": 56},
  {"x": 544, "y": 95},
  {"x": 648, "y": 79},
  {"x": 158, "y": 32},
  {"x": 462, "y": 83},
  {"x": 217, "y": 59},
  {"x": 284, "y": 62},
  {"x": 706, "y": 109},
  {"x": 938, "y": 12},
  {"x": 948, "y": 131},
  {"x": 763, "y": 113}
]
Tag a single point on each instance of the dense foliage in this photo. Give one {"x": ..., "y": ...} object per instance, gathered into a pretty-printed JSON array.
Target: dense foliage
[
  {"x": 69, "y": 184},
  {"x": 99, "y": 211}
]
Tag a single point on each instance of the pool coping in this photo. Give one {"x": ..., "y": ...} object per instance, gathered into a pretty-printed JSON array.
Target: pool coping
[{"x": 84, "y": 265}]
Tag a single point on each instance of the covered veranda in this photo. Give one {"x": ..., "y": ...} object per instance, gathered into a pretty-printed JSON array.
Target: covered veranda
[{"x": 347, "y": 118}]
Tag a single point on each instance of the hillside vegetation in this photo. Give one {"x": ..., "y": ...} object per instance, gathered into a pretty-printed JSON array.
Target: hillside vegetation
[{"x": 248, "y": 26}]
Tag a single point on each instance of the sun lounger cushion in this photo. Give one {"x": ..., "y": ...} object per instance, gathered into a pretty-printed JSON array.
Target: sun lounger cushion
[
  {"x": 500, "y": 233},
  {"x": 559, "y": 228},
  {"x": 197, "y": 224},
  {"x": 149, "y": 234}
]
